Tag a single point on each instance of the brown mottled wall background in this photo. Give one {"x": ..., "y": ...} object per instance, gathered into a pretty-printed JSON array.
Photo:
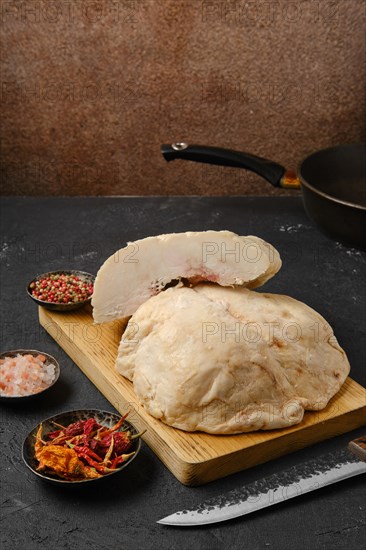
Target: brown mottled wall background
[{"x": 90, "y": 89}]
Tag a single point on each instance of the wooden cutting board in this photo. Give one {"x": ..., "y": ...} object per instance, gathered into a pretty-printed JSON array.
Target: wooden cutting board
[{"x": 194, "y": 458}]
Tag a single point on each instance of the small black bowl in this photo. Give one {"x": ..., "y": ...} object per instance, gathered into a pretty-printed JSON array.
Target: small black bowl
[
  {"x": 49, "y": 360},
  {"x": 107, "y": 419},
  {"x": 84, "y": 276}
]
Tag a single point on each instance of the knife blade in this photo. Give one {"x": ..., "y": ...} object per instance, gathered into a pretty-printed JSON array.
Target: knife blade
[{"x": 295, "y": 481}]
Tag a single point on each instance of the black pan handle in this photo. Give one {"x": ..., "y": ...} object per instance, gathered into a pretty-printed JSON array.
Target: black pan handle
[{"x": 271, "y": 171}]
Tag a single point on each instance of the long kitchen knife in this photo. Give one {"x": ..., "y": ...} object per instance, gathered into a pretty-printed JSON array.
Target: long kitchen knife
[{"x": 297, "y": 480}]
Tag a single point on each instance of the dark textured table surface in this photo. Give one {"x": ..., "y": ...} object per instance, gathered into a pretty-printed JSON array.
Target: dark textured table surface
[{"x": 39, "y": 235}]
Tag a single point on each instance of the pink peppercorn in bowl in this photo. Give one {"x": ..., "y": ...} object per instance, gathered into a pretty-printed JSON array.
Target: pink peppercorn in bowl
[
  {"x": 62, "y": 290},
  {"x": 25, "y": 373}
]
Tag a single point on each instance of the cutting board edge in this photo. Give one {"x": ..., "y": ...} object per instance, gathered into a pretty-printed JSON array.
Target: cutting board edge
[
  {"x": 309, "y": 425},
  {"x": 198, "y": 473}
]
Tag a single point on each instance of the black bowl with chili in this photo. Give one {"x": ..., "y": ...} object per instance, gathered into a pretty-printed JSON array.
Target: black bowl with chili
[{"x": 85, "y": 437}]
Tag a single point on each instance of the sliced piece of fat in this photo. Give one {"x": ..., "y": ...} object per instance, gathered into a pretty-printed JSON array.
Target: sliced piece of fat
[{"x": 147, "y": 266}]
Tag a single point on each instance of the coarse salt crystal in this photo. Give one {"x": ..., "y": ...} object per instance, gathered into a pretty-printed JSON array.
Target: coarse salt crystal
[{"x": 25, "y": 375}]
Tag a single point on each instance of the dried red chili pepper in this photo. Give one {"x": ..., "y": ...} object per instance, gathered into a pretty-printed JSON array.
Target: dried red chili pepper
[
  {"x": 122, "y": 443},
  {"x": 84, "y": 449},
  {"x": 84, "y": 438},
  {"x": 77, "y": 428},
  {"x": 62, "y": 439},
  {"x": 99, "y": 466},
  {"x": 90, "y": 427},
  {"x": 109, "y": 451},
  {"x": 114, "y": 428},
  {"x": 53, "y": 435},
  {"x": 116, "y": 461}
]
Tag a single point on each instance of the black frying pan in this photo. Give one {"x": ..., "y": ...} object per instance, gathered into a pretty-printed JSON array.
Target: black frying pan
[{"x": 333, "y": 182}]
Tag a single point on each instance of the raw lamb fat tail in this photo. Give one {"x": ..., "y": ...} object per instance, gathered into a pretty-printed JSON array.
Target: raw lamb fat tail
[
  {"x": 147, "y": 266},
  {"x": 226, "y": 360}
]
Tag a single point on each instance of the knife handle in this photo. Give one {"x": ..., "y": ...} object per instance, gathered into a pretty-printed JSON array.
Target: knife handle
[{"x": 358, "y": 447}]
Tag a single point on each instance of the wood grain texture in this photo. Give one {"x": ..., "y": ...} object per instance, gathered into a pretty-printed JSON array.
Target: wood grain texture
[{"x": 194, "y": 458}]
